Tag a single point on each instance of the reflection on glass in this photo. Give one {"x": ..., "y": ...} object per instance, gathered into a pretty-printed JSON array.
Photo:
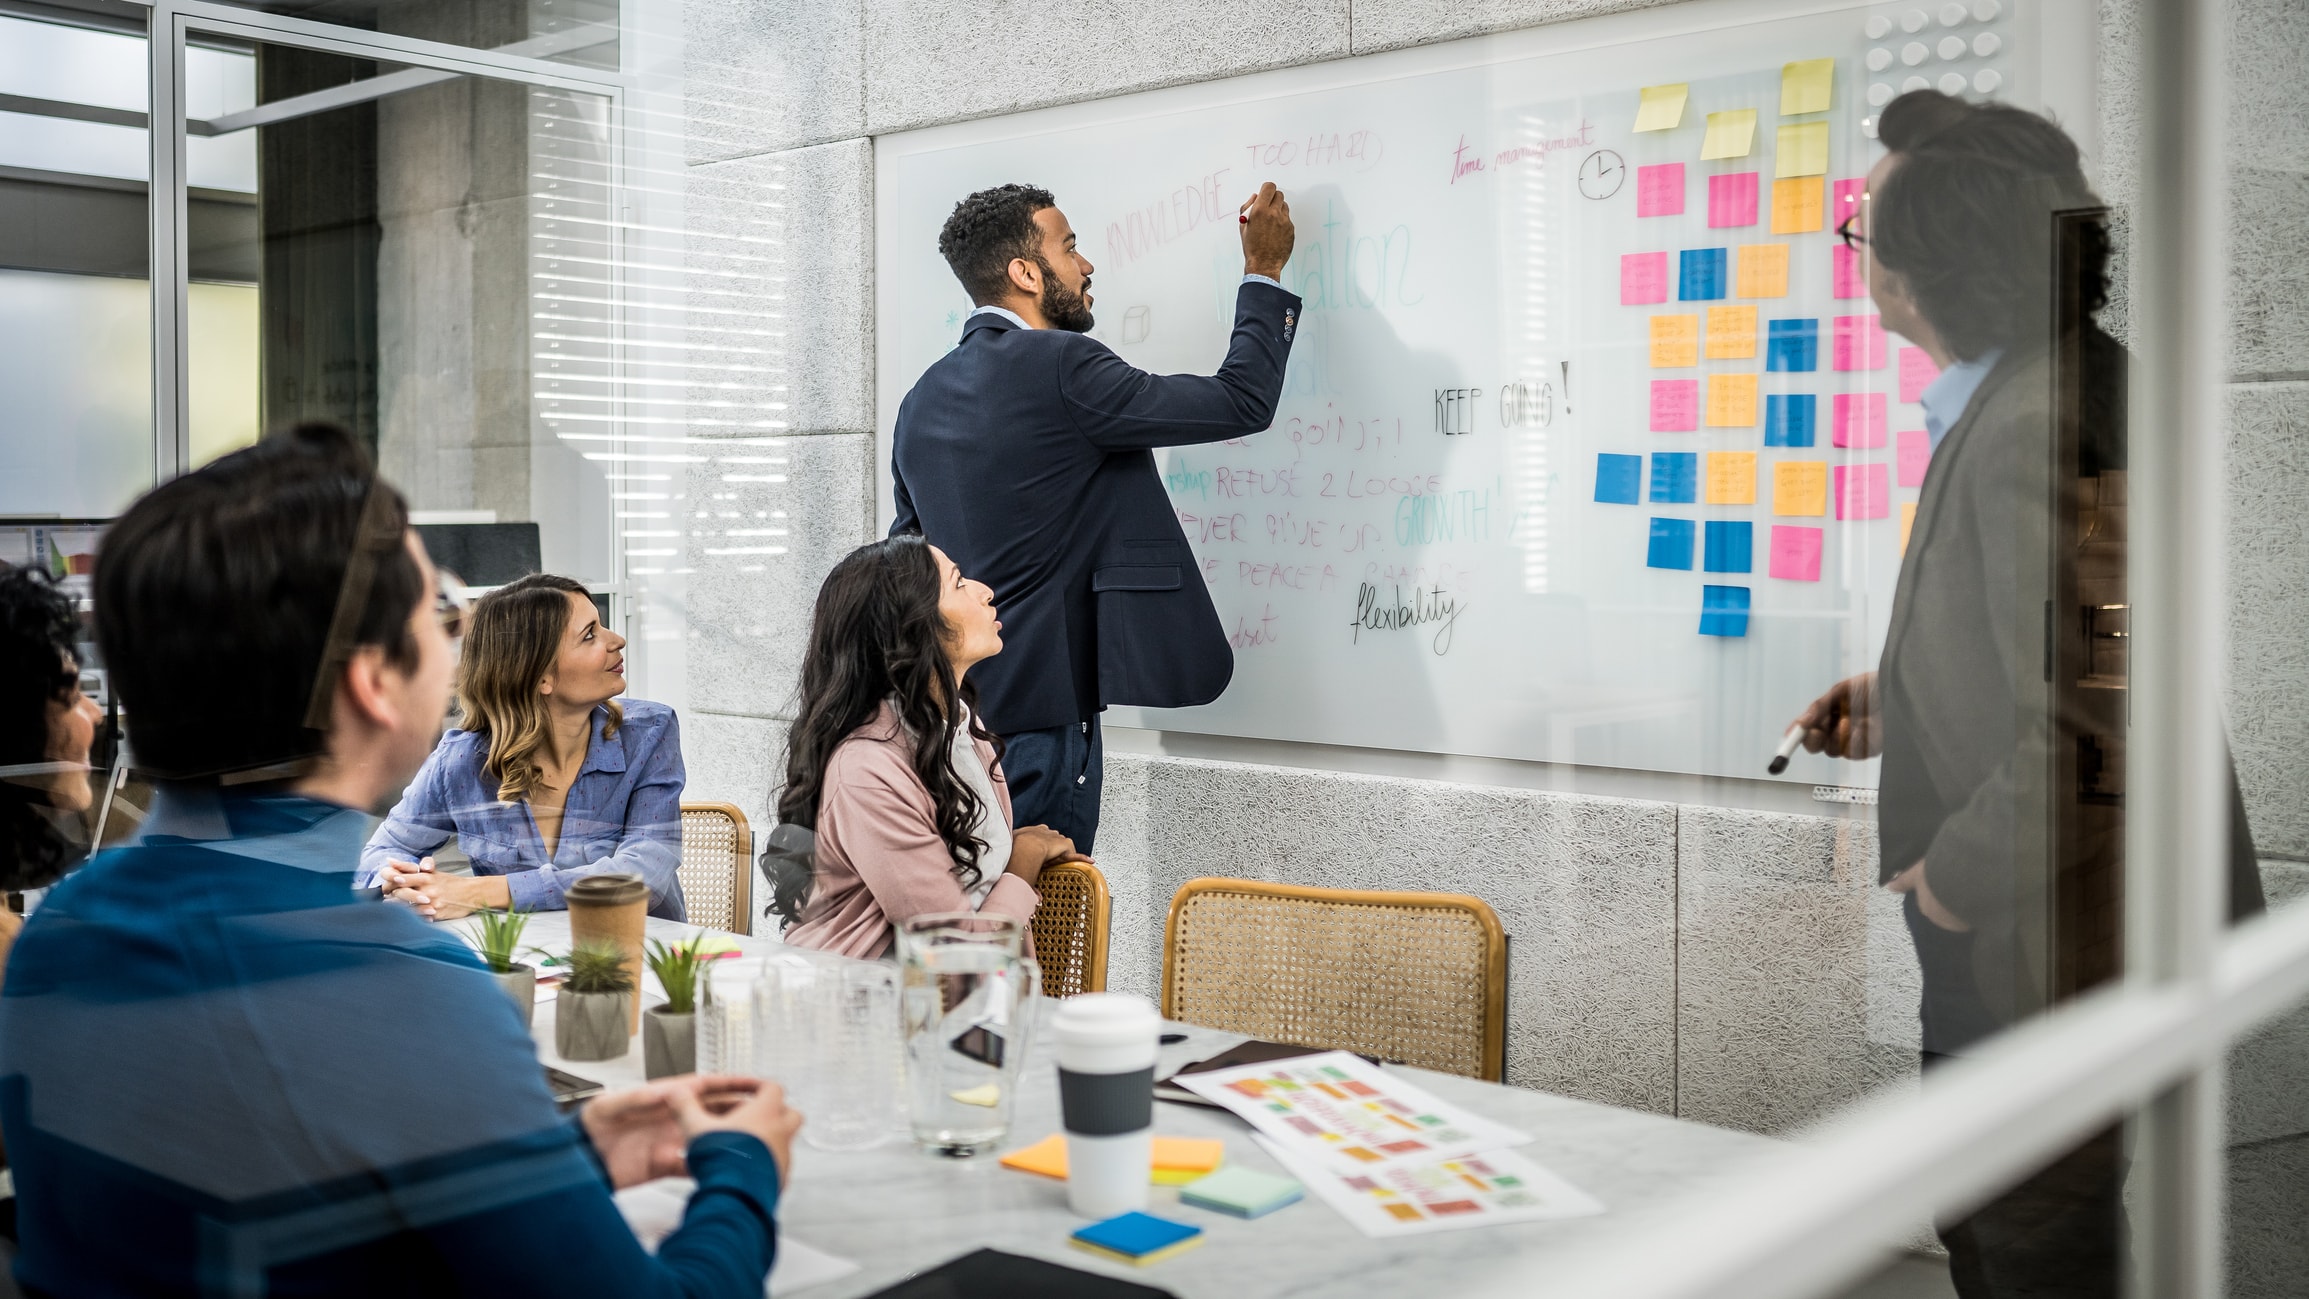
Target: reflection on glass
[{"x": 579, "y": 32}]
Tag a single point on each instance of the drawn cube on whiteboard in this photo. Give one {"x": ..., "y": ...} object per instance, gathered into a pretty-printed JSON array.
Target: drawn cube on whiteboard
[
  {"x": 1723, "y": 611},
  {"x": 1671, "y": 544},
  {"x": 1135, "y": 324}
]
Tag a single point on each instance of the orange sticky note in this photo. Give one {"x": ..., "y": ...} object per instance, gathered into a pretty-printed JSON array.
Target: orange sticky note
[
  {"x": 1797, "y": 204},
  {"x": 1762, "y": 271},
  {"x": 1731, "y": 334},
  {"x": 1907, "y": 523},
  {"x": 1800, "y": 487},
  {"x": 1731, "y": 477},
  {"x": 1732, "y": 401},
  {"x": 1177, "y": 1160},
  {"x": 1675, "y": 341}
]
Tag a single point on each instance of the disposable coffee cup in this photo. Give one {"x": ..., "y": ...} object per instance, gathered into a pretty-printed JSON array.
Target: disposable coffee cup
[
  {"x": 611, "y": 909},
  {"x": 1106, "y": 1044}
]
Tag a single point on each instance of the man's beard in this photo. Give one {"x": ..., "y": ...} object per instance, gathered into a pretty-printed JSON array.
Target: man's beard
[{"x": 1063, "y": 307}]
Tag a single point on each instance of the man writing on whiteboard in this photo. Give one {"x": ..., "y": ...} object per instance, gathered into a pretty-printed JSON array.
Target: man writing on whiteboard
[{"x": 1026, "y": 454}]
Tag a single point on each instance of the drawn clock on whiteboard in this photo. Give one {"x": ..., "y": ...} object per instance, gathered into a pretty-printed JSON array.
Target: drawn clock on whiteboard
[{"x": 1602, "y": 174}]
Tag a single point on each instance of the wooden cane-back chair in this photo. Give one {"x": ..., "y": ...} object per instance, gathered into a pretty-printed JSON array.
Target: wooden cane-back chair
[
  {"x": 717, "y": 867},
  {"x": 1070, "y": 928}
]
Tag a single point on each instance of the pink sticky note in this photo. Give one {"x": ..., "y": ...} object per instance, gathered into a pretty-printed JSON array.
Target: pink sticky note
[
  {"x": 1856, "y": 419},
  {"x": 1858, "y": 344},
  {"x": 1796, "y": 553},
  {"x": 1732, "y": 199},
  {"x": 1660, "y": 190},
  {"x": 1643, "y": 278},
  {"x": 1861, "y": 492},
  {"x": 1845, "y": 273},
  {"x": 1915, "y": 453},
  {"x": 1675, "y": 405},
  {"x": 1916, "y": 368},
  {"x": 1844, "y": 199}
]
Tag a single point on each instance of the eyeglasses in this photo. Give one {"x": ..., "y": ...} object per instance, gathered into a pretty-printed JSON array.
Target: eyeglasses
[
  {"x": 451, "y": 605},
  {"x": 1852, "y": 238}
]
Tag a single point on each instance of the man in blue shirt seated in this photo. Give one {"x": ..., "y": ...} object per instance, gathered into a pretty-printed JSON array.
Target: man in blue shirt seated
[{"x": 220, "y": 1072}]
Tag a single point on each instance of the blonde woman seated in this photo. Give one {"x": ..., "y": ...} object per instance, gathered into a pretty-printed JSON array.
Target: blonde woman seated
[
  {"x": 550, "y": 780},
  {"x": 890, "y": 766}
]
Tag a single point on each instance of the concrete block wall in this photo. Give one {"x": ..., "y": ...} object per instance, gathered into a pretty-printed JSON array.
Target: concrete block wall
[{"x": 1732, "y": 965}]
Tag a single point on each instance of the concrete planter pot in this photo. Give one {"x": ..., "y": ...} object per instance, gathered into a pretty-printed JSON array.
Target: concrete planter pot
[
  {"x": 592, "y": 1025},
  {"x": 669, "y": 1043},
  {"x": 520, "y": 983}
]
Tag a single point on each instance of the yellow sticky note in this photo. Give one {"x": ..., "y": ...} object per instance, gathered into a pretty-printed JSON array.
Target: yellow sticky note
[
  {"x": 1796, "y": 204},
  {"x": 1662, "y": 108},
  {"x": 1732, "y": 476},
  {"x": 1732, "y": 401},
  {"x": 1802, "y": 150},
  {"x": 1675, "y": 341},
  {"x": 1731, "y": 335},
  {"x": 1805, "y": 86},
  {"x": 1907, "y": 523},
  {"x": 1800, "y": 487},
  {"x": 1731, "y": 134},
  {"x": 1762, "y": 271},
  {"x": 1176, "y": 1161}
]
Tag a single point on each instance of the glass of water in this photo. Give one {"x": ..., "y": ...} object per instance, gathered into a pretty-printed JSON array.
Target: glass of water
[
  {"x": 860, "y": 1058},
  {"x": 967, "y": 1002},
  {"x": 726, "y": 1016}
]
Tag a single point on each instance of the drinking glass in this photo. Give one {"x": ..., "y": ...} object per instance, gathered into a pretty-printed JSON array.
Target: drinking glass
[
  {"x": 787, "y": 1044},
  {"x": 726, "y": 1015},
  {"x": 968, "y": 1006},
  {"x": 860, "y": 1059}
]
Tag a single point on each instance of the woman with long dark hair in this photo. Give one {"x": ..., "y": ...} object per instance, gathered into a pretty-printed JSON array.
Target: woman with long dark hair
[
  {"x": 550, "y": 779},
  {"x": 46, "y": 728},
  {"x": 888, "y": 763}
]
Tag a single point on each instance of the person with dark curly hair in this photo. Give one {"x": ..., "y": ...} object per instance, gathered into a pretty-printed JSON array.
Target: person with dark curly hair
[
  {"x": 46, "y": 729},
  {"x": 1027, "y": 455},
  {"x": 1987, "y": 248}
]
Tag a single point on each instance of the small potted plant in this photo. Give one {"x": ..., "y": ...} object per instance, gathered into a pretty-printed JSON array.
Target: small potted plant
[
  {"x": 498, "y": 937},
  {"x": 596, "y": 1004},
  {"x": 669, "y": 1039}
]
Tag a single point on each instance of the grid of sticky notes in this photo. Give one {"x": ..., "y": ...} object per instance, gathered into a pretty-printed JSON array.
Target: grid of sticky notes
[{"x": 1774, "y": 402}]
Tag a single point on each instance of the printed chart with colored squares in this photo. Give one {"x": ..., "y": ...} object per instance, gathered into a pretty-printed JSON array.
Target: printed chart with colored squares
[
  {"x": 1415, "y": 1196},
  {"x": 1339, "y": 1109},
  {"x": 1778, "y": 443}
]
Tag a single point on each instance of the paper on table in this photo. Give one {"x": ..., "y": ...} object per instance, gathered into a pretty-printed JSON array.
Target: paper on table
[
  {"x": 1805, "y": 86},
  {"x": 654, "y": 1209},
  {"x": 1731, "y": 134},
  {"x": 1343, "y": 1111},
  {"x": 1477, "y": 1190},
  {"x": 1662, "y": 107},
  {"x": 1801, "y": 150}
]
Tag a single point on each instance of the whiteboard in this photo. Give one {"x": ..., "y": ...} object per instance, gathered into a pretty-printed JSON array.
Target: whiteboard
[{"x": 1415, "y": 555}]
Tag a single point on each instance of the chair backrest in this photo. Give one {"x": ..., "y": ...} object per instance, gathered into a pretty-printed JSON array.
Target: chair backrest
[
  {"x": 1419, "y": 978},
  {"x": 1070, "y": 928},
  {"x": 716, "y": 866}
]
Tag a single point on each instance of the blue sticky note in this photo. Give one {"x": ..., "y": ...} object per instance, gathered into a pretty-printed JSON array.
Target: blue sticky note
[
  {"x": 1723, "y": 611},
  {"x": 1671, "y": 544},
  {"x": 1618, "y": 479},
  {"x": 1792, "y": 345},
  {"x": 1137, "y": 1237},
  {"x": 1730, "y": 547},
  {"x": 1701, "y": 274},
  {"x": 1675, "y": 477},
  {"x": 1790, "y": 418}
]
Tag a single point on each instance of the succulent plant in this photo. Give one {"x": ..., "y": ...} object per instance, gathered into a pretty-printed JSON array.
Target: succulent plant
[{"x": 598, "y": 967}]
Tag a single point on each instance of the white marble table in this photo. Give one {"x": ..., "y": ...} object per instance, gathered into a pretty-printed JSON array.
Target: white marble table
[{"x": 897, "y": 1212}]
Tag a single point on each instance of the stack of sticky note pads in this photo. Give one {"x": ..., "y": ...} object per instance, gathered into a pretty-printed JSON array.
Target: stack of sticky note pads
[
  {"x": 1242, "y": 1192},
  {"x": 1177, "y": 1160},
  {"x": 1137, "y": 1238}
]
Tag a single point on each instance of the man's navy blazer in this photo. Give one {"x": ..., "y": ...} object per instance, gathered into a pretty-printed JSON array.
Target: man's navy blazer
[{"x": 1027, "y": 456}]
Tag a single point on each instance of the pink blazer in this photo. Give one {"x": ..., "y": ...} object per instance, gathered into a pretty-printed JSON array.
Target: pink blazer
[{"x": 880, "y": 860}]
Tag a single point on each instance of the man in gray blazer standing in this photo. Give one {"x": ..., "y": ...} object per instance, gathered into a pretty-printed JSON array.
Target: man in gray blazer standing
[{"x": 2007, "y": 848}]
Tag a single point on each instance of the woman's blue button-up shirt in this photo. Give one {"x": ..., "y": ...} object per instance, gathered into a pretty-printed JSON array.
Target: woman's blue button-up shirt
[{"x": 623, "y": 814}]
